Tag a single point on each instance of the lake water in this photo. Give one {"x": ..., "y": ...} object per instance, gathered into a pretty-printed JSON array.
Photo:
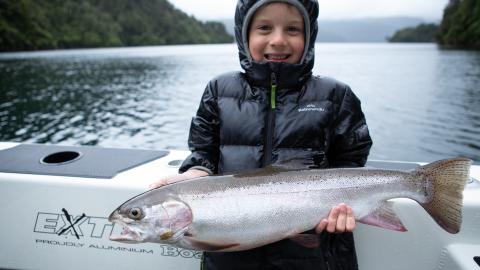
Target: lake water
[{"x": 421, "y": 103}]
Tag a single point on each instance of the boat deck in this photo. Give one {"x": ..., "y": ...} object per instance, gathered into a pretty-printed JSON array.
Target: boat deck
[{"x": 57, "y": 222}]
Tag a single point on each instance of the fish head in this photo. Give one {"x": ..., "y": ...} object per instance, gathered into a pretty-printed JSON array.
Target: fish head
[{"x": 159, "y": 222}]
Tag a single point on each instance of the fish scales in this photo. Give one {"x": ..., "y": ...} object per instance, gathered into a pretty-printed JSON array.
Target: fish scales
[
  {"x": 247, "y": 210},
  {"x": 306, "y": 198}
]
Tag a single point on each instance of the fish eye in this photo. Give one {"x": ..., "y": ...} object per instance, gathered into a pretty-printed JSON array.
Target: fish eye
[{"x": 135, "y": 213}]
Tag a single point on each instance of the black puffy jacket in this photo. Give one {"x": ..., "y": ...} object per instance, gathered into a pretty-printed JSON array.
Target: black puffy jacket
[{"x": 242, "y": 124}]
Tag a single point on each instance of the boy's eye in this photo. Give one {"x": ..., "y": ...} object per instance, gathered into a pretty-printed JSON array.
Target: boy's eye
[
  {"x": 264, "y": 27},
  {"x": 293, "y": 29}
]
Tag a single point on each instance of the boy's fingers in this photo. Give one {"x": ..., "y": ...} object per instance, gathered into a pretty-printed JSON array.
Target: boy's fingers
[
  {"x": 350, "y": 223},
  {"x": 157, "y": 184},
  {"x": 342, "y": 218},
  {"x": 321, "y": 226},
  {"x": 177, "y": 177},
  {"x": 332, "y": 220},
  {"x": 168, "y": 180}
]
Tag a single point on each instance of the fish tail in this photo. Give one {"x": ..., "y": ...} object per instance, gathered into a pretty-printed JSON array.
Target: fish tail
[{"x": 447, "y": 179}]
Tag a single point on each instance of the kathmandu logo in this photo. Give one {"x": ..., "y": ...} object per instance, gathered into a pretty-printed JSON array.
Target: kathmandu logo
[{"x": 311, "y": 108}]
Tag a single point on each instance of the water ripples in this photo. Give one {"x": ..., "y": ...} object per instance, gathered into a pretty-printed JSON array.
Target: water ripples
[{"x": 421, "y": 103}]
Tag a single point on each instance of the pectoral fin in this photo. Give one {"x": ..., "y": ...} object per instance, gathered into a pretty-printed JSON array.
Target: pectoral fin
[{"x": 384, "y": 217}]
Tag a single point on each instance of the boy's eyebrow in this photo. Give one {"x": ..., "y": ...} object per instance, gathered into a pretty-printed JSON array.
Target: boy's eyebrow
[
  {"x": 260, "y": 20},
  {"x": 296, "y": 21},
  {"x": 265, "y": 20}
]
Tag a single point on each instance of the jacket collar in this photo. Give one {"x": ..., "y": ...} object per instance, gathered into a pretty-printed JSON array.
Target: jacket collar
[{"x": 287, "y": 76}]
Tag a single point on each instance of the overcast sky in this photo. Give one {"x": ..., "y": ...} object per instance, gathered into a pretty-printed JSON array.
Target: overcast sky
[{"x": 430, "y": 10}]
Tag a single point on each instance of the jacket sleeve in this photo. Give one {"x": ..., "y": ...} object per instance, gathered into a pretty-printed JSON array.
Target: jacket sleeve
[
  {"x": 351, "y": 140},
  {"x": 203, "y": 140}
]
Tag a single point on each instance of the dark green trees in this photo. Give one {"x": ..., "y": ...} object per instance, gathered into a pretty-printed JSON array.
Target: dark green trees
[
  {"x": 460, "y": 26},
  {"x": 421, "y": 33},
  {"x": 52, "y": 24}
]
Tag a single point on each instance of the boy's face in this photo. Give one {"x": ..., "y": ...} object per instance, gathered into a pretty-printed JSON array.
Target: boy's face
[{"x": 277, "y": 34}]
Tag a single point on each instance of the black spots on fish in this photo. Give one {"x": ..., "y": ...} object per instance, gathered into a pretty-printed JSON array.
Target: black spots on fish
[
  {"x": 363, "y": 176},
  {"x": 448, "y": 178},
  {"x": 425, "y": 190},
  {"x": 261, "y": 172},
  {"x": 422, "y": 185},
  {"x": 277, "y": 183}
]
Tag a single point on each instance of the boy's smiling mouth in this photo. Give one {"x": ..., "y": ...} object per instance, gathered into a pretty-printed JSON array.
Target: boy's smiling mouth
[{"x": 276, "y": 57}]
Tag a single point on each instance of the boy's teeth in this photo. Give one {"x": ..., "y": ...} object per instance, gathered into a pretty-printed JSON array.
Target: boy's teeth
[{"x": 277, "y": 57}]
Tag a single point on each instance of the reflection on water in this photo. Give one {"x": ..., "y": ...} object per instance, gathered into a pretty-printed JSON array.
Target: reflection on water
[
  {"x": 111, "y": 99},
  {"x": 421, "y": 103},
  {"x": 455, "y": 108}
]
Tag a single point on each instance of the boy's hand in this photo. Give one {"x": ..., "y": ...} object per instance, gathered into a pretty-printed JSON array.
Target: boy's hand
[
  {"x": 341, "y": 219},
  {"x": 193, "y": 173}
]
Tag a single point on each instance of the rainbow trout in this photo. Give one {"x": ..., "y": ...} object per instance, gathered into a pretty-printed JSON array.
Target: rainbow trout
[{"x": 248, "y": 210}]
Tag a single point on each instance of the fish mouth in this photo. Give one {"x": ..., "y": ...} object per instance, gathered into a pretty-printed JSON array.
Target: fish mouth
[{"x": 127, "y": 235}]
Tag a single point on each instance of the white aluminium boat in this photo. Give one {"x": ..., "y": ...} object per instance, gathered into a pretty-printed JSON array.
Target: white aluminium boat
[{"x": 55, "y": 201}]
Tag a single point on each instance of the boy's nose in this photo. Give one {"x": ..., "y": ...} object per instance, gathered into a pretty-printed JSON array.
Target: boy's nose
[{"x": 278, "y": 38}]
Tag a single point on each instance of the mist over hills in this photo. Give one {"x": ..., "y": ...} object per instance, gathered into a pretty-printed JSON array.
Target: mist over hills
[{"x": 355, "y": 30}]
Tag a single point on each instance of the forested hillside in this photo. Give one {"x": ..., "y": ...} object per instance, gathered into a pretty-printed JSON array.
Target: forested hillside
[
  {"x": 460, "y": 26},
  {"x": 55, "y": 24},
  {"x": 421, "y": 33}
]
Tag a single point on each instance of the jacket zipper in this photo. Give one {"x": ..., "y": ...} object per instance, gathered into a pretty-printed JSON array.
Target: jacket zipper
[
  {"x": 270, "y": 122},
  {"x": 273, "y": 93}
]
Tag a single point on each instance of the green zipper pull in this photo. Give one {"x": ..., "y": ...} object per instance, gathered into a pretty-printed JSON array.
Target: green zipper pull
[{"x": 274, "y": 91}]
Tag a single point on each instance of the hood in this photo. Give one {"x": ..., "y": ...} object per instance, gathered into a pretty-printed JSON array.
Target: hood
[{"x": 287, "y": 75}]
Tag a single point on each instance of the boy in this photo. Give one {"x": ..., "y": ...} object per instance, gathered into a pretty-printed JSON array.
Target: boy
[{"x": 276, "y": 111}]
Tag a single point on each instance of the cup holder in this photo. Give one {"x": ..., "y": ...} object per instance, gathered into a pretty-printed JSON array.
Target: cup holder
[{"x": 60, "y": 158}]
